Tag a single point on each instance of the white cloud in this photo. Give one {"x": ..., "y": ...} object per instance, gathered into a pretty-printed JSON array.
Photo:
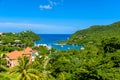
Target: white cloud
[
  {"x": 51, "y": 4},
  {"x": 45, "y": 7},
  {"x": 38, "y": 28}
]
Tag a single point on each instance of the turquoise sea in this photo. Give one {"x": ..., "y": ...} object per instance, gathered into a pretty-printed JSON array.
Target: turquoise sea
[{"x": 52, "y": 40}]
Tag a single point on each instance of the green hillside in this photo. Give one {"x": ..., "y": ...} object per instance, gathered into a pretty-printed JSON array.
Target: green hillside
[
  {"x": 94, "y": 34},
  {"x": 16, "y": 41}
]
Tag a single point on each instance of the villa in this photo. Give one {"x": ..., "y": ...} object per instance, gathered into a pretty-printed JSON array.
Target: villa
[
  {"x": 12, "y": 57},
  {"x": 1, "y": 33}
]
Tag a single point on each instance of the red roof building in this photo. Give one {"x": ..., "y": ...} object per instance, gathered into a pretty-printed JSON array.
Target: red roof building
[{"x": 12, "y": 57}]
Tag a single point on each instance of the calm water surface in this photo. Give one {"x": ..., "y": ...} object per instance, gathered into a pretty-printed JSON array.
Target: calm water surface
[{"x": 52, "y": 40}]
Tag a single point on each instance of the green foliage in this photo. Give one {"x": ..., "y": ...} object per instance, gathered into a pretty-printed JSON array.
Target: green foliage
[
  {"x": 110, "y": 45},
  {"x": 87, "y": 64},
  {"x": 24, "y": 71},
  {"x": 98, "y": 61},
  {"x": 17, "y": 41},
  {"x": 4, "y": 76},
  {"x": 29, "y": 35},
  {"x": 3, "y": 63},
  {"x": 95, "y": 34},
  {"x": 42, "y": 50}
]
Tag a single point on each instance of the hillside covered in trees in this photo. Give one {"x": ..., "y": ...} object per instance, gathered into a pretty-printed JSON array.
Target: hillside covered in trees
[
  {"x": 95, "y": 34},
  {"x": 99, "y": 61},
  {"x": 11, "y": 41},
  {"x": 92, "y": 63}
]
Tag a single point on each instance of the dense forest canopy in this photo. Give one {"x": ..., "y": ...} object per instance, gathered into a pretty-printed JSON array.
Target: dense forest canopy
[
  {"x": 94, "y": 34},
  {"x": 99, "y": 60},
  {"x": 11, "y": 41}
]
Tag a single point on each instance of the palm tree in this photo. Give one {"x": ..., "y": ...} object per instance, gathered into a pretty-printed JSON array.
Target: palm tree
[
  {"x": 3, "y": 68},
  {"x": 45, "y": 64},
  {"x": 4, "y": 76},
  {"x": 3, "y": 63},
  {"x": 44, "y": 67},
  {"x": 25, "y": 71}
]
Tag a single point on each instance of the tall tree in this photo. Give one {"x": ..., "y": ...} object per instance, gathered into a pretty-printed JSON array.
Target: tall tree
[
  {"x": 25, "y": 71},
  {"x": 3, "y": 63}
]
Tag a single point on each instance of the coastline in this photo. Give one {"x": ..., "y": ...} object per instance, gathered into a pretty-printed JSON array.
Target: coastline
[{"x": 52, "y": 41}]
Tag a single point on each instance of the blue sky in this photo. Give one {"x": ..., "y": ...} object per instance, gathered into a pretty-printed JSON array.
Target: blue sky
[{"x": 56, "y": 16}]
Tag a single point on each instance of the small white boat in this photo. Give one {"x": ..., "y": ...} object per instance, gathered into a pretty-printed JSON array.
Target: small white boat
[{"x": 62, "y": 46}]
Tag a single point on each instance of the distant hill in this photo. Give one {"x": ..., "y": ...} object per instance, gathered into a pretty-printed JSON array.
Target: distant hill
[{"x": 95, "y": 33}]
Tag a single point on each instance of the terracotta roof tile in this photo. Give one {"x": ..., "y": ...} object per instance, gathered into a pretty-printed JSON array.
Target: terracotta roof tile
[
  {"x": 14, "y": 55},
  {"x": 28, "y": 50},
  {"x": 17, "y": 54}
]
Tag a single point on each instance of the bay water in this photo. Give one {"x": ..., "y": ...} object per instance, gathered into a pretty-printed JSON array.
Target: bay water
[{"x": 52, "y": 40}]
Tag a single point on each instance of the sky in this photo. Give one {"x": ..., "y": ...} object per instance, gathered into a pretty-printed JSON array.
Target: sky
[{"x": 56, "y": 16}]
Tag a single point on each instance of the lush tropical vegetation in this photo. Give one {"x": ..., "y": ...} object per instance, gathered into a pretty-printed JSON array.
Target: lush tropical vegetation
[
  {"x": 93, "y": 63},
  {"x": 94, "y": 34},
  {"x": 24, "y": 70},
  {"x": 11, "y": 41},
  {"x": 100, "y": 60}
]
